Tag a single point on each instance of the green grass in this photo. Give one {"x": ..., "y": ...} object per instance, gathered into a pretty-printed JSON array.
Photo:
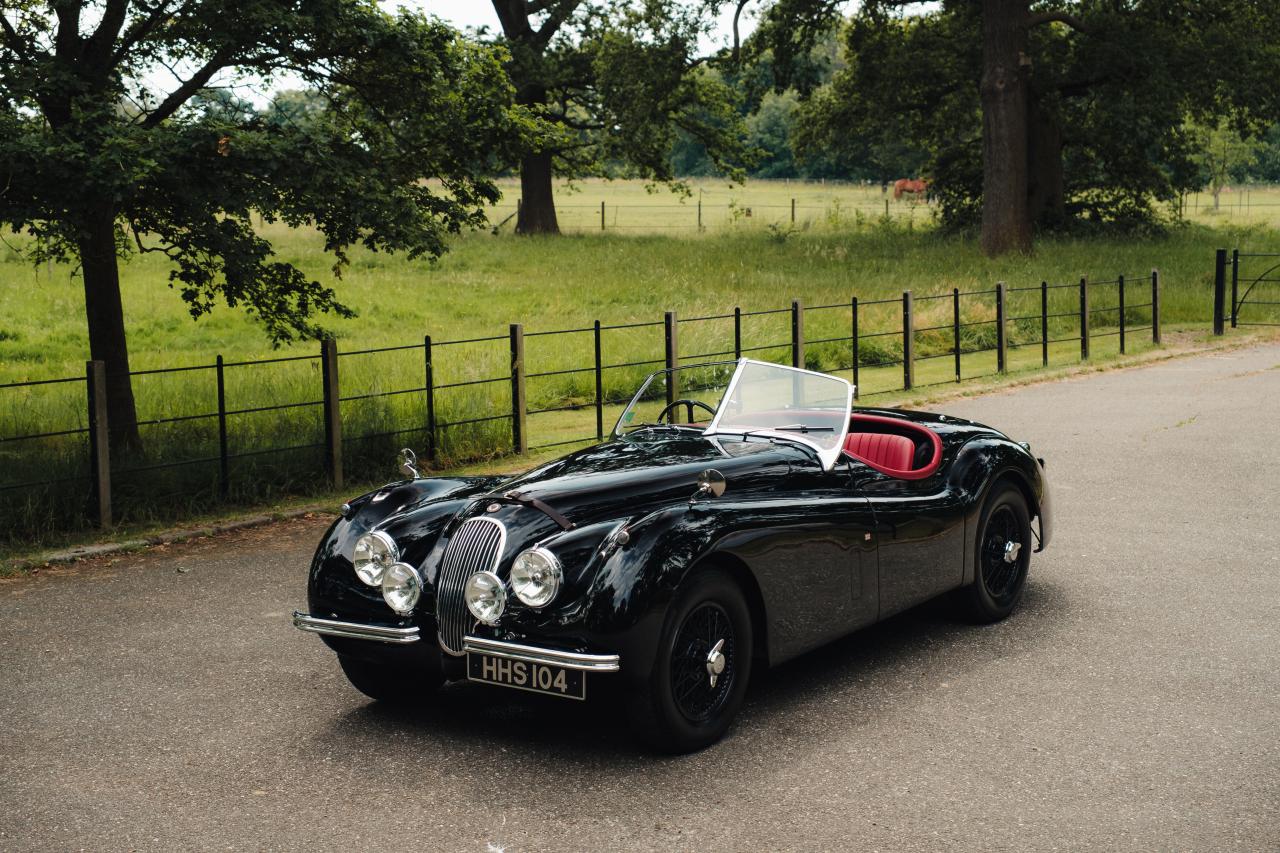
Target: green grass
[{"x": 841, "y": 246}]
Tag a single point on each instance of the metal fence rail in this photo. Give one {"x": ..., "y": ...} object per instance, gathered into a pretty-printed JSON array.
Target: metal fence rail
[{"x": 865, "y": 337}]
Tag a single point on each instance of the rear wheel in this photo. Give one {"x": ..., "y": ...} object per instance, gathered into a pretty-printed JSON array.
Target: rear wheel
[
  {"x": 393, "y": 686},
  {"x": 701, "y": 670},
  {"x": 1002, "y": 559}
]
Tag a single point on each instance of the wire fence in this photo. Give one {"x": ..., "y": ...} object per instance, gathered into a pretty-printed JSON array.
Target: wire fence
[{"x": 234, "y": 429}]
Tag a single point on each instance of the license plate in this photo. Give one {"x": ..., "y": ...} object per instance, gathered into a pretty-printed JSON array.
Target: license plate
[{"x": 522, "y": 675}]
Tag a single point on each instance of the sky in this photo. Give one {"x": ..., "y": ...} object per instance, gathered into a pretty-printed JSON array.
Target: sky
[{"x": 477, "y": 13}]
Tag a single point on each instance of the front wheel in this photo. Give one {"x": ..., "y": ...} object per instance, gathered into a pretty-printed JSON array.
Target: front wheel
[
  {"x": 388, "y": 685},
  {"x": 701, "y": 669},
  {"x": 1002, "y": 559}
]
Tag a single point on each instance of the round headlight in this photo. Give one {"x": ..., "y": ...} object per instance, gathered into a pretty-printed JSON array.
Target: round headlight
[
  {"x": 375, "y": 551},
  {"x": 535, "y": 577},
  {"x": 486, "y": 596},
  {"x": 401, "y": 587}
]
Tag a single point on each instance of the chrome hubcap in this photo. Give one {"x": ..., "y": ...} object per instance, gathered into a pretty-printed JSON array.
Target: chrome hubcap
[
  {"x": 1011, "y": 550},
  {"x": 715, "y": 662}
]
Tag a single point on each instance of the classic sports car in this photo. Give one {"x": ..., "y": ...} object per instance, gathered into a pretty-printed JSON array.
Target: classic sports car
[{"x": 740, "y": 523}]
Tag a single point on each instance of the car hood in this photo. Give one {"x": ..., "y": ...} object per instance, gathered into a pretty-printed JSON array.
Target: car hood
[{"x": 627, "y": 475}]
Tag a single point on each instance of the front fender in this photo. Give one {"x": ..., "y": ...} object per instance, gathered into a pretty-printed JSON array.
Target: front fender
[{"x": 413, "y": 512}]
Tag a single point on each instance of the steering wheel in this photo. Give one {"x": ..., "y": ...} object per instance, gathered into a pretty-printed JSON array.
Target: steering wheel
[{"x": 688, "y": 404}]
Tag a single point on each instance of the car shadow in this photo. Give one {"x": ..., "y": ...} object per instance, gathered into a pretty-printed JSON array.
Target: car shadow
[{"x": 860, "y": 670}]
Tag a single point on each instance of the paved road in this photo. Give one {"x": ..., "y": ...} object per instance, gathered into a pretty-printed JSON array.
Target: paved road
[{"x": 162, "y": 701}]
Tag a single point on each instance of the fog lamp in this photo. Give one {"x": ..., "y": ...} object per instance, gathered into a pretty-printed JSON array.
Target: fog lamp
[{"x": 401, "y": 587}]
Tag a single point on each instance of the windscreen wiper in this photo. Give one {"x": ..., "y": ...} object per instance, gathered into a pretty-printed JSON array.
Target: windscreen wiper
[
  {"x": 788, "y": 428},
  {"x": 640, "y": 426}
]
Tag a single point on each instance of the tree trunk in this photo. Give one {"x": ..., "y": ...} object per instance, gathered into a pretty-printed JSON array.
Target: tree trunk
[
  {"x": 1005, "y": 224},
  {"x": 105, "y": 314},
  {"x": 537, "y": 201},
  {"x": 1046, "y": 206},
  {"x": 1216, "y": 193}
]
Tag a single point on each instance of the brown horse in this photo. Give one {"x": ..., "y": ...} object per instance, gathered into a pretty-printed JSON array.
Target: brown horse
[{"x": 918, "y": 186}]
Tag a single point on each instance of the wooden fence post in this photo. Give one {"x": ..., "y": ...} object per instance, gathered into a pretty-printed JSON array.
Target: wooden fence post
[
  {"x": 908, "y": 343},
  {"x": 519, "y": 411},
  {"x": 224, "y": 459},
  {"x": 737, "y": 332},
  {"x": 1084, "y": 319},
  {"x": 1219, "y": 289},
  {"x": 797, "y": 333},
  {"x": 1001, "y": 341},
  {"x": 429, "y": 366},
  {"x": 671, "y": 327},
  {"x": 332, "y": 411},
  {"x": 602, "y": 216},
  {"x": 793, "y": 211},
  {"x": 1155, "y": 306},
  {"x": 699, "y": 214},
  {"x": 99, "y": 446}
]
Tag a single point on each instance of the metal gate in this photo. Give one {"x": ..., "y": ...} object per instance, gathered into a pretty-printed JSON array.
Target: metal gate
[{"x": 1255, "y": 289}]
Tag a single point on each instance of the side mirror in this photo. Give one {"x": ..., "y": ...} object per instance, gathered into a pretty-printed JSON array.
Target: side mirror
[
  {"x": 408, "y": 461},
  {"x": 711, "y": 484}
]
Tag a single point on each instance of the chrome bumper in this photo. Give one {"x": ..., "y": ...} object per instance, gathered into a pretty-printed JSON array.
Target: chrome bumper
[
  {"x": 536, "y": 654},
  {"x": 354, "y": 630}
]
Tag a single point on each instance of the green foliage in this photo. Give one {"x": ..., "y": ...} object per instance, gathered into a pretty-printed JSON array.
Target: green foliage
[
  {"x": 1221, "y": 153},
  {"x": 1110, "y": 86},
  {"x": 393, "y": 149},
  {"x": 624, "y": 82}
]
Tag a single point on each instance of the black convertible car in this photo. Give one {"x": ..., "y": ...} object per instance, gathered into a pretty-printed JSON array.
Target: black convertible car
[{"x": 740, "y": 523}]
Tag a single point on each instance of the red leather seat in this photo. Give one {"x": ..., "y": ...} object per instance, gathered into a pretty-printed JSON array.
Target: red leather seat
[{"x": 894, "y": 452}]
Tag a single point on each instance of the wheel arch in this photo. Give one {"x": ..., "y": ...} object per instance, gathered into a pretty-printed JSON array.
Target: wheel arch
[{"x": 1009, "y": 475}]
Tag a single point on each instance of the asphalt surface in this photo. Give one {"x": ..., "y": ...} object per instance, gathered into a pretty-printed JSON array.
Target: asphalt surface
[{"x": 163, "y": 701}]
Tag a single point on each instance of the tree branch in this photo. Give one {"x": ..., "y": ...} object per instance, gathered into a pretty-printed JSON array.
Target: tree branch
[
  {"x": 142, "y": 28},
  {"x": 98, "y": 46},
  {"x": 183, "y": 93},
  {"x": 67, "y": 40},
  {"x": 1057, "y": 17},
  {"x": 13, "y": 40},
  {"x": 737, "y": 13},
  {"x": 555, "y": 19}
]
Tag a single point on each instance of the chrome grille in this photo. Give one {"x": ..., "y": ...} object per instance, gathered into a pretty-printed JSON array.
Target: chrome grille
[{"x": 476, "y": 547}]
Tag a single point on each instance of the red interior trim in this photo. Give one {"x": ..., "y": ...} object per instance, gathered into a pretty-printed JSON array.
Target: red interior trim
[{"x": 902, "y": 427}]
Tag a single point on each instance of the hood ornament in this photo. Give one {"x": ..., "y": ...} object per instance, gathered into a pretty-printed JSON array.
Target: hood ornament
[
  {"x": 711, "y": 484},
  {"x": 408, "y": 461}
]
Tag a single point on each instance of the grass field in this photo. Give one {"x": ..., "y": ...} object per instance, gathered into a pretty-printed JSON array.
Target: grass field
[{"x": 650, "y": 258}]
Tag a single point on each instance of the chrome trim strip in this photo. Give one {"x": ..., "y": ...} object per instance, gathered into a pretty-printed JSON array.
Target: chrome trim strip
[
  {"x": 354, "y": 630},
  {"x": 535, "y": 654}
]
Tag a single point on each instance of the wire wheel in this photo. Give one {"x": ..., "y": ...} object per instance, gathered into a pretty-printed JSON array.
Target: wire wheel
[
  {"x": 1002, "y": 555},
  {"x": 703, "y": 663}
]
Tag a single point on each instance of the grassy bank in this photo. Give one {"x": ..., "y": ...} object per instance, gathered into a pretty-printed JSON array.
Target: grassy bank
[{"x": 834, "y": 252}]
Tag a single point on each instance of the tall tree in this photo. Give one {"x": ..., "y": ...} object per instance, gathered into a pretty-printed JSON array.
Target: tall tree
[
  {"x": 1037, "y": 114},
  {"x": 621, "y": 81},
  {"x": 117, "y": 134}
]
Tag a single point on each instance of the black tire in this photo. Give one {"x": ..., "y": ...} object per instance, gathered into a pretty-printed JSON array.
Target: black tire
[
  {"x": 389, "y": 685},
  {"x": 677, "y": 709},
  {"x": 998, "y": 582}
]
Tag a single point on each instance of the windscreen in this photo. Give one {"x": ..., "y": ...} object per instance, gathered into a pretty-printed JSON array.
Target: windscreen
[{"x": 769, "y": 397}]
